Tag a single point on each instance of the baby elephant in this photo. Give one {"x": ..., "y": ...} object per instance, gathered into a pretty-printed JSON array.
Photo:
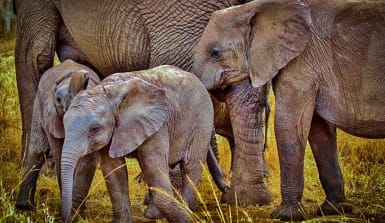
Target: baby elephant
[
  {"x": 57, "y": 87},
  {"x": 162, "y": 116}
]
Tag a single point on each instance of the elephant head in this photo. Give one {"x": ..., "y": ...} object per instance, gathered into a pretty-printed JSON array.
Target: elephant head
[
  {"x": 254, "y": 40},
  {"x": 120, "y": 113},
  {"x": 67, "y": 87},
  {"x": 62, "y": 93}
]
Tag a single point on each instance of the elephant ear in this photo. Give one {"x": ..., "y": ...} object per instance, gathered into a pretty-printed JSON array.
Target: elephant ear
[
  {"x": 280, "y": 31},
  {"x": 79, "y": 81},
  {"x": 141, "y": 111},
  {"x": 54, "y": 121}
]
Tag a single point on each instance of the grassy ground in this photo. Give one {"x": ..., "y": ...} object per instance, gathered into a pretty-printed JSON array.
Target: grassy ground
[{"x": 362, "y": 163}]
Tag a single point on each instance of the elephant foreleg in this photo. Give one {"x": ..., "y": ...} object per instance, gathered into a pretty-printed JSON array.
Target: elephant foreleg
[
  {"x": 116, "y": 176},
  {"x": 293, "y": 115},
  {"x": 323, "y": 143},
  {"x": 85, "y": 169},
  {"x": 37, "y": 25}
]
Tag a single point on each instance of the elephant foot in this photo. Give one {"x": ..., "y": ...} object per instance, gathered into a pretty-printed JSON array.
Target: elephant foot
[
  {"x": 257, "y": 194},
  {"x": 24, "y": 205},
  {"x": 152, "y": 212},
  {"x": 288, "y": 212},
  {"x": 121, "y": 217},
  {"x": 335, "y": 208}
]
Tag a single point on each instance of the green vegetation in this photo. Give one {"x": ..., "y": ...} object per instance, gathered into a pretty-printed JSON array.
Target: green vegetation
[{"x": 362, "y": 162}]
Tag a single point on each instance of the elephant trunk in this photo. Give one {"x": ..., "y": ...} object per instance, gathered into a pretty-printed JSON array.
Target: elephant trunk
[
  {"x": 70, "y": 158},
  {"x": 246, "y": 113}
]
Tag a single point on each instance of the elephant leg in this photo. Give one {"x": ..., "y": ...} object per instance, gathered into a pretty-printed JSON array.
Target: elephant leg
[
  {"x": 191, "y": 166},
  {"x": 245, "y": 106},
  {"x": 222, "y": 123},
  {"x": 292, "y": 127},
  {"x": 152, "y": 211},
  {"x": 213, "y": 165},
  {"x": 191, "y": 173},
  {"x": 116, "y": 177},
  {"x": 37, "y": 25},
  {"x": 153, "y": 153},
  {"x": 86, "y": 170},
  {"x": 323, "y": 142},
  {"x": 37, "y": 151}
]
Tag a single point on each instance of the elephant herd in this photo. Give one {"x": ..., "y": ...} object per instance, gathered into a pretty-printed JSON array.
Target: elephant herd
[{"x": 155, "y": 80}]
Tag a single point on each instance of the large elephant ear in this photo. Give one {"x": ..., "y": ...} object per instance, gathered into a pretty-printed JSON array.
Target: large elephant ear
[
  {"x": 54, "y": 121},
  {"x": 280, "y": 31},
  {"x": 141, "y": 111}
]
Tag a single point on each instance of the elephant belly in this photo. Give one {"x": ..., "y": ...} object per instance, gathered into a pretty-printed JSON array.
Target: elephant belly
[
  {"x": 113, "y": 41},
  {"x": 360, "y": 118}
]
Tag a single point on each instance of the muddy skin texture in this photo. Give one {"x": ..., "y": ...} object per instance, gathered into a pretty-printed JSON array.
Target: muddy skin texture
[
  {"x": 145, "y": 114},
  {"x": 327, "y": 65},
  {"x": 128, "y": 36},
  {"x": 56, "y": 89}
]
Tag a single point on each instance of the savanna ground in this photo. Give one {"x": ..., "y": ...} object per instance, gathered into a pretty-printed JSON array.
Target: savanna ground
[{"x": 362, "y": 162}]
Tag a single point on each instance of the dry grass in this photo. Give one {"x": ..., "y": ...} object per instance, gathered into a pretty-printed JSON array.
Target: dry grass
[{"x": 362, "y": 163}]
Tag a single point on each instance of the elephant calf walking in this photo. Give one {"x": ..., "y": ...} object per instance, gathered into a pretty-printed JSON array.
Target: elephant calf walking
[{"x": 162, "y": 116}]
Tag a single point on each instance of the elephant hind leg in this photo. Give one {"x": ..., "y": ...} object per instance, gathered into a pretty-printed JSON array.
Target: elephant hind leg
[
  {"x": 191, "y": 173},
  {"x": 191, "y": 166},
  {"x": 323, "y": 142}
]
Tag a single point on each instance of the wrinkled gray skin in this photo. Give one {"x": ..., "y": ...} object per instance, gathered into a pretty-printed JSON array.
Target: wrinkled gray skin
[
  {"x": 145, "y": 114},
  {"x": 56, "y": 89},
  {"x": 327, "y": 62},
  {"x": 133, "y": 35}
]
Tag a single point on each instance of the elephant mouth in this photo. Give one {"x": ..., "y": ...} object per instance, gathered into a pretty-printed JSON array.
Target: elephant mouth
[{"x": 230, "y": 77}]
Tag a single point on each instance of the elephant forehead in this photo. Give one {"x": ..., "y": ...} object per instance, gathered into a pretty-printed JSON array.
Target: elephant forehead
[{"x": 86, "y": 118}]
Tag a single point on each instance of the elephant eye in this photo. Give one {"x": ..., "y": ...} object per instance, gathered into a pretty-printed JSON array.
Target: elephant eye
[
  {"x": 215, "y": 53},
  {"x": 95, "y": 129}
]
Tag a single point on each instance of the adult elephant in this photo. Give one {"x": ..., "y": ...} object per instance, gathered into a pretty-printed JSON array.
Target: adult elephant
[
  {"x": 114, "y": 36},
  {"x": 327, "y": 62}
]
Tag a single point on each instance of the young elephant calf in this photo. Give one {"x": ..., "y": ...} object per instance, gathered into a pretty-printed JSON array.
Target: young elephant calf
[
  {"x": 163, "y": 116},
  {"x": 57, "y": 87}
]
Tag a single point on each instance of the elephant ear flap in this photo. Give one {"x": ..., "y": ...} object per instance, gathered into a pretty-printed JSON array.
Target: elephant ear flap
[
  {"x": 79, "y": 81},
  {"x": 54, "y": 121},
  {"x": 142, "y": 110},
  {"x": 280, "y": 32}
]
